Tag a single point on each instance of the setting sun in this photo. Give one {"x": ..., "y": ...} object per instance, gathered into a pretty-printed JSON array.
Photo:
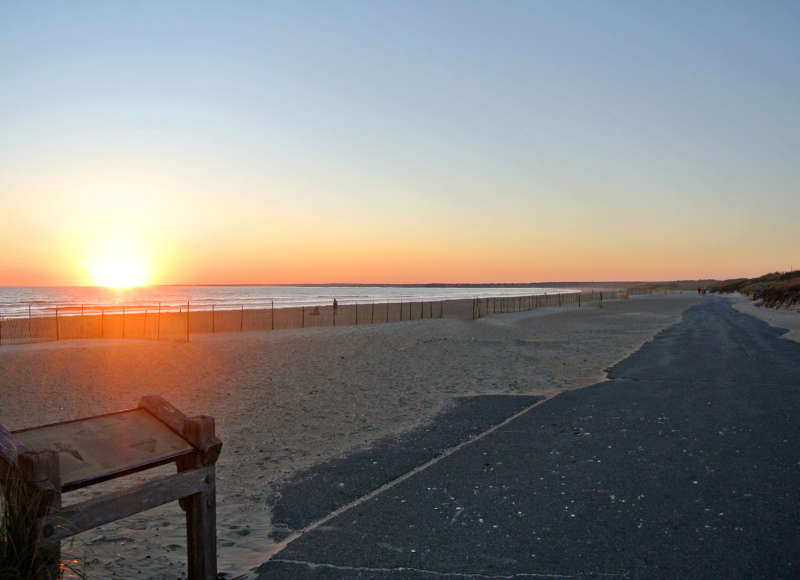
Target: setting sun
[
  {"x": 118, "y": 273},
  {"x": 118, "y": 261}
]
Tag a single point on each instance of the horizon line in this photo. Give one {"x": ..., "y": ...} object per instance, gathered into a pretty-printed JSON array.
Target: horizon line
[{"x": 379, "y": 285}]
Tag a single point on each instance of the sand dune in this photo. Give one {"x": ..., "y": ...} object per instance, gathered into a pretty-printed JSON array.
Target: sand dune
[{"x": 286, "y": 400}]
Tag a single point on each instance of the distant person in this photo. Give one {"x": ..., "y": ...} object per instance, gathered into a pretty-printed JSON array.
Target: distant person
[
  {"x": 335, "y": 304},
  {"x": 699, "y": 290}
]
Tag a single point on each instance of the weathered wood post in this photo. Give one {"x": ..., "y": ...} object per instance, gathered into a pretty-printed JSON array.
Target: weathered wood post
[
  {"x": 200, "y": 507},
  {"x": 56, "y": 322},
  {"x": 33, "y": 493},
  {"x": 41, "y": 472}
]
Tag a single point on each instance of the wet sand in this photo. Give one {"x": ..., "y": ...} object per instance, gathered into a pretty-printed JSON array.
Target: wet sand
[{"x": 286, "y": 400}]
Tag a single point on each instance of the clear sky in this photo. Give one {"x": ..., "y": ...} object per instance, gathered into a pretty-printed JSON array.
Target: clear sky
[{"x": 398, "y": 141}]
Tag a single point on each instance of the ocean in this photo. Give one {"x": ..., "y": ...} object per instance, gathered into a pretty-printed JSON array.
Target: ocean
[{"x": 17, "y": 301}]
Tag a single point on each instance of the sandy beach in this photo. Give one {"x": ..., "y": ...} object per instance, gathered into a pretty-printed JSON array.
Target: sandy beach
[
  {"x": 788, "y": 318},
  {"x": 286, "y": 400}
]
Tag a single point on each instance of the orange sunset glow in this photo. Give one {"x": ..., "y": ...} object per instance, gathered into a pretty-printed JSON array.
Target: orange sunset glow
[
  {"x": 119, "y": 262},
  {"x": 322, "y": 167},
  {"x": 510, "y": 260},
  {"x": 118, "y": 272}
]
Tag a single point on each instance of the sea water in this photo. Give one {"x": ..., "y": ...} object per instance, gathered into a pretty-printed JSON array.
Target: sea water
[{"x": 16, "y": 301}]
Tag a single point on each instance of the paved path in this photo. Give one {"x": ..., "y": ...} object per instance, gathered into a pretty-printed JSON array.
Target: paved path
[{"x": 686, "y": 464}]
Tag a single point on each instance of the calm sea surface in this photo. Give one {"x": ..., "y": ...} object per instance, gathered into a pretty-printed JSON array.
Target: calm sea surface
[{"x": 16, "y": 300}]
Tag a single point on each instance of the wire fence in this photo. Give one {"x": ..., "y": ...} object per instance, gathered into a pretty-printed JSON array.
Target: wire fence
[{"x": 180, "y": 320}]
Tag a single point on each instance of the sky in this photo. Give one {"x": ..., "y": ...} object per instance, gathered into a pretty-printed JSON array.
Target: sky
[{"x": 398, "y": 141}]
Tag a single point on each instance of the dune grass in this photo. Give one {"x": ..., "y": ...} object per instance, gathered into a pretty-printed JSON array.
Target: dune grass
[
  {"x": 776, "y": 289},
  {"x": 20, "y": 556}
]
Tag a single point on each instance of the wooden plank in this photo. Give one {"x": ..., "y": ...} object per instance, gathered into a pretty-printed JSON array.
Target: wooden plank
[
  {"x": 95, "y": 512},
  {"x": 99, "y": 448},
  {"x": 164, "y": 412}
]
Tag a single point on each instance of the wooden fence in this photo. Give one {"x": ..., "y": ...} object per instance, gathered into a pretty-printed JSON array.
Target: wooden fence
[{"x": 179, "y": 322}]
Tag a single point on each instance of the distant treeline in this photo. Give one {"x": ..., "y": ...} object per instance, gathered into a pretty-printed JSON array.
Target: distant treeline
[{"x": 776, "y": 289}]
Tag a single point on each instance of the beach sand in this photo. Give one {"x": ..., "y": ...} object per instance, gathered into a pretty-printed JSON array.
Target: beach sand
[
  {"x": 286, "y": 400},
  {"x": 788, "y": 318}
]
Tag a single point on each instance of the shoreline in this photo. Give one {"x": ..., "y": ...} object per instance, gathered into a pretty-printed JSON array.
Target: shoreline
[
  {"x": 153, "y": 323},
  {"x": 286, "y": 401}
]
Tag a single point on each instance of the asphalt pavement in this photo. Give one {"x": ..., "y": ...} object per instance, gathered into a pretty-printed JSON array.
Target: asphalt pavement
[{"x": 684, "y": 464}]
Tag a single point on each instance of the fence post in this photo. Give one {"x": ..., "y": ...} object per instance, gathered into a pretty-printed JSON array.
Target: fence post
[
  {"x": 372, "y": 316},
  {"x": 1, "y": 329},
  {"x": 302, "y": 317},
  {"x": 241, "y": 319},
  {"x": 57, "y": 323},
  {"x": 187, "y": 320},
  {"x": 144, "y": 324},
  {"x": 272, "y": 314},
  {"x": 30, "y": 332},
  {"x": 158, "y": 323},
  {"x": 102, "y": 322},
  {"x": 213, "y": 324},
  {"x": 123, "y": 322}
]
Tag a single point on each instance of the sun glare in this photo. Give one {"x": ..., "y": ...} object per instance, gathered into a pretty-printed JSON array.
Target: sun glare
[
  {"x": 118, "y": 273},
  {"x": 118, "y": 262}
]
